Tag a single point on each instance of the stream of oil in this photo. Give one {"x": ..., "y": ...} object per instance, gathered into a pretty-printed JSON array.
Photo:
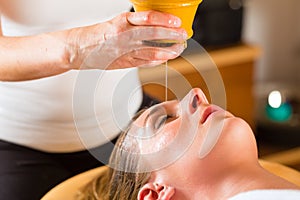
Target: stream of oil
[{"x": 166, "y": 81}]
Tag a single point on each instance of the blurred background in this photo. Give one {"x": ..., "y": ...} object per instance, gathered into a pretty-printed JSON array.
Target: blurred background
[
  {"x": 256, "y": 47},
  {"x": 275, "y": 26}
]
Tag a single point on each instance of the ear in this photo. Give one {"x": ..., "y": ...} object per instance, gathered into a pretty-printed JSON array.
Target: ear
[{"x": 156, "y": 191}]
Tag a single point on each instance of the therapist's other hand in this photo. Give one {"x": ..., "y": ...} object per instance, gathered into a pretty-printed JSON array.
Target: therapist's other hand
[{"x": 123, "y": 42}]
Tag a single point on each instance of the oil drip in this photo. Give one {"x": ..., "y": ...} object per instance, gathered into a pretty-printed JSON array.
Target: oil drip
[{"x": 166, "y": 81}]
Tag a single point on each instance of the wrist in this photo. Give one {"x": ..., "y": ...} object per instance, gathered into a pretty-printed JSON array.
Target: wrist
[
  {"x": 80, "y": 43},
  {"x": 68, "y": 53}
]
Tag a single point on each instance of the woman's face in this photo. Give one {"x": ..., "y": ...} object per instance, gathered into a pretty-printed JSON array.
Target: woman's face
[
  {"x": 161, "y": 124},
  {"x": 189, "y": 136}
]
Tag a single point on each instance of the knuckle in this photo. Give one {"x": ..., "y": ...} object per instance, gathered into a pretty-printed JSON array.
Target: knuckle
[
  {"x": 157, "y": 55},
  {"x": 150, "y": 17}
]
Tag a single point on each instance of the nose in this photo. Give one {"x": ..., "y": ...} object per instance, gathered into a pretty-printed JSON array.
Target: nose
[
  {"x": 195, "y": 101},
  {"x": 197, "y": 97}
]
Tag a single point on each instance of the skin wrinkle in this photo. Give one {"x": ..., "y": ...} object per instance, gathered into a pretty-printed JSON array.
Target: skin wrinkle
[{"x": 124, "y": 49}]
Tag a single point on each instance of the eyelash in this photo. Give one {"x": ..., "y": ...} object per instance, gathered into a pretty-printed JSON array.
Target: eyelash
[{"x": 161, "y": 120}]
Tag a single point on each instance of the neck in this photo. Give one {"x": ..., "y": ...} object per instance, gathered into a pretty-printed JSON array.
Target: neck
[{"x": 242, "y": 178}]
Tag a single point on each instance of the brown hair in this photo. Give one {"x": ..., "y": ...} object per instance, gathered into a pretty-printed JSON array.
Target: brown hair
[{"x": 115, "y": 184}]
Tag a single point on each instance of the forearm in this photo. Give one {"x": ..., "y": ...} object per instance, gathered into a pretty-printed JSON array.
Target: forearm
[
  {"x": 32, "y": 57},
  {"x": 115, "y": 44}
]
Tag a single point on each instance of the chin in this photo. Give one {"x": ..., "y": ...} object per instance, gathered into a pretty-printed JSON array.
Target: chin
[
  {"x": 238, "y": 135},
  {"x": 236, "y": 124}
]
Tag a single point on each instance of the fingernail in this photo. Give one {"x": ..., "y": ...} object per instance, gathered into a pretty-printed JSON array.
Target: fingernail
[
  {"x": 185, "y": 35},
  {"x": 175, "y": 22}
]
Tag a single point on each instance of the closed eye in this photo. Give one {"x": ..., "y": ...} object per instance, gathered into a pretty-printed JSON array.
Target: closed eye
[
  {"x": 162, "y": 120},
  {"x": 158, "y": 116}
]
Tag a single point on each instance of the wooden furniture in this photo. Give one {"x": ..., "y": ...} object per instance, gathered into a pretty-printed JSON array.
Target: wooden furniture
[
  {"x": 68, "y": 189},
  {"x": 235, "y": 66},
  {"x": 290, "y": 157}
]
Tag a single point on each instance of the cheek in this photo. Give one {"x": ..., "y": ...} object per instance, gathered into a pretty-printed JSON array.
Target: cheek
[
  {"x": 184, "y": 170},
  {"x": 166, "y": 136},
  {"x": 161, "y": 139}
]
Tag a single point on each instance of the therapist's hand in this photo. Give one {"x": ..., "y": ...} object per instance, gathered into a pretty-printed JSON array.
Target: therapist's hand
[{"x": 123, "y": 42}]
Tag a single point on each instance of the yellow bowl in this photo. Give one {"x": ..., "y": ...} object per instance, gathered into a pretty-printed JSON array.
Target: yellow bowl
[{"x": 184, "y": 9}]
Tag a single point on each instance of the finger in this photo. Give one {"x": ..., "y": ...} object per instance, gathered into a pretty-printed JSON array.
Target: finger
[
  {"x": 142, "y": 33},
  {"x": 145, "y": 57},
  {"x": 128, "y": 61},
  {"x": 156, "y": 54},
  {"x": 153, "y": 18}
]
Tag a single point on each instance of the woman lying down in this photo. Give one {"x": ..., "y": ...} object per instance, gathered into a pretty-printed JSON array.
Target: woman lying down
[{"x": 187, "y": 150}]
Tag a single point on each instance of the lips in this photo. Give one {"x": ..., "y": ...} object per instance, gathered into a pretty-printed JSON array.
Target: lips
[{"x": 208, "y": 111}]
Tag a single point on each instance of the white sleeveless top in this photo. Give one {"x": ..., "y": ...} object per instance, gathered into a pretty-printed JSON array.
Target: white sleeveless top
[{"x": 71, "y": 111}]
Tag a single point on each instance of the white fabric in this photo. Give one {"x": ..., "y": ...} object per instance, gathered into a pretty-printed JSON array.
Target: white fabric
[
  {"x": 268, "y": 194},
  {"x": 44, "y": 114}
]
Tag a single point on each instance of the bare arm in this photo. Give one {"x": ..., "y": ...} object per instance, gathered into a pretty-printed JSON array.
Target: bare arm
[
  {"x": 25, "y": 58},
  {"x": 38, "y": 56},
  {"x": 32, "y": 57},
  {"x": 0, "y": 26}
]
